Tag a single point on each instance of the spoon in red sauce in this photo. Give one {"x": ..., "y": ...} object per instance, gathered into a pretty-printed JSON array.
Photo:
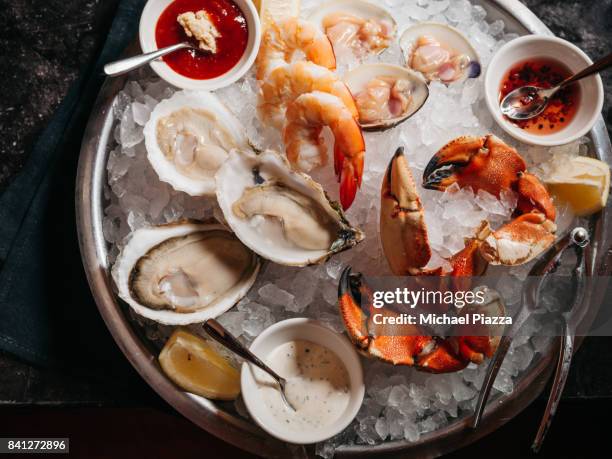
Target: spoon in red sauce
[
  {"x": 528, "y": 102},
  {"x": 131, "y": 63}
]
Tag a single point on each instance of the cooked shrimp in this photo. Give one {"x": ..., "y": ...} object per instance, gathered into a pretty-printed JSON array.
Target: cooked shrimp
[
  {"x": 305, "y": 118},
  {"x": 289, "y": 81},
  {"x": 282, "y": 40}
]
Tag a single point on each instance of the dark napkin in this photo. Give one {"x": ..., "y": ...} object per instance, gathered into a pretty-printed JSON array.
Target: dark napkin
[{"x": 47, "y": 314}]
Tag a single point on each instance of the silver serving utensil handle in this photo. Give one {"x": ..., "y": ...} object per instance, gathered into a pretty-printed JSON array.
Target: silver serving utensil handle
[
  {"x": 131, "y": 63},
  {"x": 566, "y": 350},
  {"x": 528, "y": 302},
  {"x": 563, "y": 366},
  {"x": 224, "y": 337}
]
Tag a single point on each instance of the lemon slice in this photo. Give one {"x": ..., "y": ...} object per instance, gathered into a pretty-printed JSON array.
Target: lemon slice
[
  {"x": 582, "y": 182},
  {"x": 271, "y": 11},
  {"x": 196, "y": 367}
]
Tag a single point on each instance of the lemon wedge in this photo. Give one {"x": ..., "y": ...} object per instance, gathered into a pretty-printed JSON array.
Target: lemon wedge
[
  {"x": 195, "y": 366},
  {"x": 582, "y": 182},
  {"x": 271, "y": 11}
]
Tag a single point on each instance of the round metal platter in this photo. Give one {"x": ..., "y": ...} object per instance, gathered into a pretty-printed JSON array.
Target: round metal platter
[{"x": 211, "y": 416}]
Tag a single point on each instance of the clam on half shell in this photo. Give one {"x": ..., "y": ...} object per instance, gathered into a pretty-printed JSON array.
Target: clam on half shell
[
  {"x": 281, "y": 214},
  {"x": 188, "y": 136},
  {"x": 416, "y": 89},
  {"x": 183, "y": 273},
  {"x": 358, "y": 8},
  {"x": 450, "y": 39}
]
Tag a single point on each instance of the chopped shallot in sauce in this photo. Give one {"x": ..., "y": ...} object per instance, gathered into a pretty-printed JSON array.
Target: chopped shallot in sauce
[{"x": 544, "y": 73}]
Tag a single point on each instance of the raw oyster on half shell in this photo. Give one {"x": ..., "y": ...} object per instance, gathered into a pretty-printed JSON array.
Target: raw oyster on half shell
[
  {"x": 184, "y": 272},
  {"x": 188, "y": 136},
  {"x": 281, "y": 214}
]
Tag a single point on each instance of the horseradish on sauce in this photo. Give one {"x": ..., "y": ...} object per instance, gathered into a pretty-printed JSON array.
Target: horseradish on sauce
[{"x": 317, "y": 385}]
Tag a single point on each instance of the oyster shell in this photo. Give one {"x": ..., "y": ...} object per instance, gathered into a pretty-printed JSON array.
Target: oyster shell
[
  {"x": 188, "y": 136},
  {"x": 375, "y": 35},
  {"x": 281, "y": 214},
  {"x": 439, "y": 52},
  {"x": 386, "y": 94},
  {"x": 184, "y": 272}
]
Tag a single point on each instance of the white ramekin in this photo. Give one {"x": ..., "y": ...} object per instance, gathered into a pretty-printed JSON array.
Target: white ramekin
[
  {"x": 148, "y": 20},
  {"x": 539, "y": 46},
  {"x": 310, "y": 330}
]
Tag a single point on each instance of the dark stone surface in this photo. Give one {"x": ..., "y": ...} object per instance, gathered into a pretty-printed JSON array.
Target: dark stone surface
[
  {"x": 44, "y": 43},
  {"x": 587, "y": 24}
]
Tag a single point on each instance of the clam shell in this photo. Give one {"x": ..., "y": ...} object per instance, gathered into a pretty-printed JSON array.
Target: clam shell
[
  {"x": 358, "y": 78},
  {"x": 245, "y": 169},
  {"x": 445, "y": 34},
  {"x": 165, "y": 168},
  {"x": 142, "y": 241},
  {"x": 360, "y": 8}
]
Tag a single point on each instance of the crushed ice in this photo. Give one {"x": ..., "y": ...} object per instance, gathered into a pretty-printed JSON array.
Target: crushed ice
[{"x": 400, "y": 403}]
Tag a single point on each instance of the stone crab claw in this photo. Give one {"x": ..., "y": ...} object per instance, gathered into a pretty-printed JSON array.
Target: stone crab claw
[
  {"x": 487, "y": 163},
  {"x": 403, "y": 231},
  {"x": 409, "y": 344}
]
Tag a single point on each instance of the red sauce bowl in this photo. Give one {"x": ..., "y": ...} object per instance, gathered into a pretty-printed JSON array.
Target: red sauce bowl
[
  {"x": 582, "y": 106},
  {"x": 236, "y": 20}
]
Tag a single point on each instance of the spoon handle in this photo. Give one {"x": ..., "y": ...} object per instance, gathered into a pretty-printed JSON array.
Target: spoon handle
[
  {"x": 598, "y": 66},
  {"x": 221, "y": 335},
  {"x": 128, "y": 64}
]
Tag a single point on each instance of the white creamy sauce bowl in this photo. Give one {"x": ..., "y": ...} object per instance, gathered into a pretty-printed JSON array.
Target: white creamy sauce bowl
[{"x": 265, "y": 345}]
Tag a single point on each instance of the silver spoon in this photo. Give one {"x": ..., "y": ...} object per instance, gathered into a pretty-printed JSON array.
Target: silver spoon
[
  {"x": 529, "y": 101},
  {"x": 220, "y": 334},
  {"x": 130, "y": 63}
]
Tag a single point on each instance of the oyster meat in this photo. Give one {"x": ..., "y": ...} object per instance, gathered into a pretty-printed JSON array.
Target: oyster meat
[
  {"x": 188, "y": 137},
  {"x": 281, "y": 214},
  {"x": 184, "y": 272}
]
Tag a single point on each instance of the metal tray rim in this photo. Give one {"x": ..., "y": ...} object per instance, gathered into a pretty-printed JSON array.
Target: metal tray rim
[{"x": 89, "y": 198}]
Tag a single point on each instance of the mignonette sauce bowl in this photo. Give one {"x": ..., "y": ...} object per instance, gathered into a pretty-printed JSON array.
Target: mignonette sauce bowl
[{"x": 536, "y": 47}]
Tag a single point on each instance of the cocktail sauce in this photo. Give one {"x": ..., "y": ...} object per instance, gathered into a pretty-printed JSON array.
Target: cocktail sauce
[
  {"x": 229, "y": 21},
  {"x": 545, "y": 73}
]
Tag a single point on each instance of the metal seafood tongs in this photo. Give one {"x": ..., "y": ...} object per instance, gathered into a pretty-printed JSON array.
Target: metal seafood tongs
[{"x": 578, "y": 238}]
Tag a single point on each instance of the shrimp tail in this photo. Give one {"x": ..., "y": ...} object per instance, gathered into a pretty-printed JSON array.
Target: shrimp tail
[
  {"x": 338, "y": 160},
  {"x": 348, "y": 185}
]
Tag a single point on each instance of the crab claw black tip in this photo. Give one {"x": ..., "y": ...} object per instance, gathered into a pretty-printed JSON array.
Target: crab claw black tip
[
  {"x": 435, "y": 173},
  {"x": 349, "y": 284},
  {"x": 430, "y": 177},
  {"x": 398, "y": 154}
]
